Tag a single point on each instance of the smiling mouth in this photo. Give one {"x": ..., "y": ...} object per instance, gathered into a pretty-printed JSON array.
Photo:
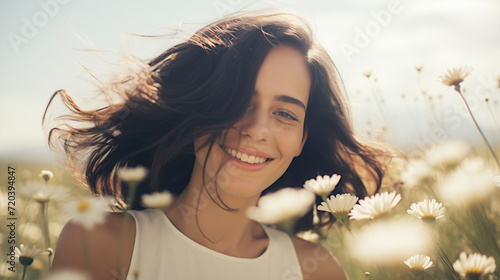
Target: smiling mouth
[{"x": 252, "y": 159}]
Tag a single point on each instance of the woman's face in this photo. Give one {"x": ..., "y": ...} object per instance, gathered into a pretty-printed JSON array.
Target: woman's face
[{"x": 259, "y": 149}]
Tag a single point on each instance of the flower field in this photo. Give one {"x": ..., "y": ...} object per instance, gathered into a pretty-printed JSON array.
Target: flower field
[{"x": 437, "y": 215}]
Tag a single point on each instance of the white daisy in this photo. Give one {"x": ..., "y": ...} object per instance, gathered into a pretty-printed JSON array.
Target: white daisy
[
  {"x": 375, "y": 206},
  {"x": 281, "y": 206},
  {"x": 68, "y": 275},
  {"x": 338, "y": 204},
  {"x": 427, "y": 211},
  {"x": 158, "y": 200},
  {"x": 471, "y": 181},
  {"x": 46, "y": 175},
  {"x": 322, "y": 185},
  {"x": 455, "y": 76},
  {"x": 40, "y": 192},
  {"x": 88, "y": 211},
  {"x": 26, "y": 255},
  {"x": 389, "y": 241},
  {"x": 474, "y": 266},
  {"x": 419, "y": 263},
  {"x": 132, "y": 174}
]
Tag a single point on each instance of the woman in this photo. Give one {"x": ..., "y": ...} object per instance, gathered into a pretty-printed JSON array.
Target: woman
[{"x": 248, "y": 105}]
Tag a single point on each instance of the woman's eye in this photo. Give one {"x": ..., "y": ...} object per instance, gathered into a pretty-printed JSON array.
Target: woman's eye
[{"x": 285, "y": 115}]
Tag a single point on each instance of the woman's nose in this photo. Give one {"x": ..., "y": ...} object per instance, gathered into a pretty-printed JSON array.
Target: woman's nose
[{"x": 256, "y": 126}]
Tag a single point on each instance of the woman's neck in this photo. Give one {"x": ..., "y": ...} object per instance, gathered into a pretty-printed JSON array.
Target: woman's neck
[{"x": 230, "y": 232}]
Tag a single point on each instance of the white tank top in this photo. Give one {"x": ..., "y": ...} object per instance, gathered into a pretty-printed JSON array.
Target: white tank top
[{"x": 161, "y": 251}]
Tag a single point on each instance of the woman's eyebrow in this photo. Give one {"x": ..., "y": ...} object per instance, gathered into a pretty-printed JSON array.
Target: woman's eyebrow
[
  {"x": 287, "y": 99},
  {"x": 291, "y": 100}
]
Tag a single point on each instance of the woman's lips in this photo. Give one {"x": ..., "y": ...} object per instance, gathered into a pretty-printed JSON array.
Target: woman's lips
[{"x": 247, "y": 160}]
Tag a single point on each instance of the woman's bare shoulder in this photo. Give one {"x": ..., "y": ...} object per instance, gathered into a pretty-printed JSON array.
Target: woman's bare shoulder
[
  {"x": 317, "y": 262},
  {"x": 106, "y": 249}
]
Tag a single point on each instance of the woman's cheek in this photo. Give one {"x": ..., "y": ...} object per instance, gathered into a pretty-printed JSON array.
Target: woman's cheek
[
  {"x": 276, "y": 127},
  {"x": 291, "y": 140}
]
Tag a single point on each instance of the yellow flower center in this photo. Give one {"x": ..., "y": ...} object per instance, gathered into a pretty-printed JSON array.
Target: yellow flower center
[{"x": 83, "y": 206}]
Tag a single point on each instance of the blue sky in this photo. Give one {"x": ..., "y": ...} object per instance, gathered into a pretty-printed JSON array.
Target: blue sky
[{"x": 43, "y": 43}]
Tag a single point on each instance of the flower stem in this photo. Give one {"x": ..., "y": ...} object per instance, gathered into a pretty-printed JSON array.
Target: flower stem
[
  {"x": 45, "y": 228},
  {"x": 457, "y": 88},
  {"x": 485, "y": 226},
  {"x": 378, "y": 102},
  {"x": 45, "y": 223},
  {"x": 131, "y": 195},
  {"x": 442, "y": 255},
  {"x": 445, "y": 259},
  {"x": 346, "y": 224},
  {"x": 24, "y": 272}
]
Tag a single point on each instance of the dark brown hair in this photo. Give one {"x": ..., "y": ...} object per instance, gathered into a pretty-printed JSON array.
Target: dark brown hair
[{"x": 204, "y": 86}]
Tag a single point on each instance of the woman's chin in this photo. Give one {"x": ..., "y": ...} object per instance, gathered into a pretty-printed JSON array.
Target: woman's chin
[{"x": 241, "y": 191}]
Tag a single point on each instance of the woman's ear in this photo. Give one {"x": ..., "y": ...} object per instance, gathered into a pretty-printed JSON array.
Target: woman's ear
[{"x": 304, "y": 138}]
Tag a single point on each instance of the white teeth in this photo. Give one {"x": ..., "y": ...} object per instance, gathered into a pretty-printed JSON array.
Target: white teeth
[
  {"x": 251, "y": 159},
  {"x": 244, "y": 157}
]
